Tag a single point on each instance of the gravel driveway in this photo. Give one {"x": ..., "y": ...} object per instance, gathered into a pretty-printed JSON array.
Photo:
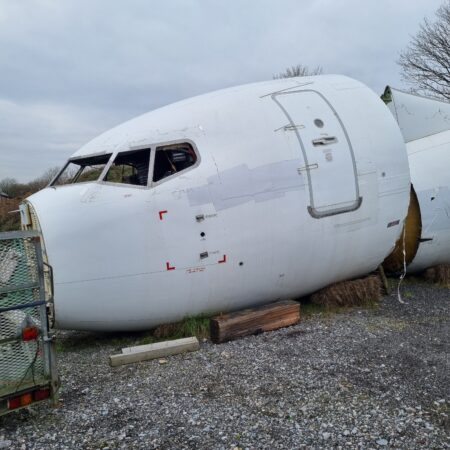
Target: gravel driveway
[{"x": 374, "y": 378}]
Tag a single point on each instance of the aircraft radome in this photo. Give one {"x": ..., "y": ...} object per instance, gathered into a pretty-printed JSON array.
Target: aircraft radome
[{"x": 235, "y": 198}]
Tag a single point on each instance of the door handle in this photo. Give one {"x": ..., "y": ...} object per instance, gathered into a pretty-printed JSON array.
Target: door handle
[
  {"x": 324, "y": 141},
  {"x": 308, "y": 167}
]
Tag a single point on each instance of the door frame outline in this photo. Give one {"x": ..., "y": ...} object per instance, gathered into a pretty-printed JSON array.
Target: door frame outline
[{"x": 311, "y": 209}]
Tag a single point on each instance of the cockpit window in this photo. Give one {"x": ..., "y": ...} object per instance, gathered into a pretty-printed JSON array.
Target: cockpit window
[
  {"x": 80, "y": 170},
  {"x": 130, "y": 168},
  {"x": 171, "y": 159}
]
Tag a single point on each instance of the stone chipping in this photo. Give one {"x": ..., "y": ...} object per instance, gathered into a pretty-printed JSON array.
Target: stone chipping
[{"x": 373, "y": 378}]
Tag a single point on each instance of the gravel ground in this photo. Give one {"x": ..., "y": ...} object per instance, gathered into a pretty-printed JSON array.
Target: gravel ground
[{"x": 374, "y": 378}]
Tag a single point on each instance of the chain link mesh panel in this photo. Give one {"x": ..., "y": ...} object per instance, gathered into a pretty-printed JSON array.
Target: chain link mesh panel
[
  {"x": 18, "y": 265},
  {"x": 22, "y": 363}
]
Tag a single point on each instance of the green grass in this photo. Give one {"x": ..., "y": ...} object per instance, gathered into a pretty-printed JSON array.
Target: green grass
[
  {"x": 78, "y": 341},
  {"x": 309, "y": 309},
  {"x": 409, "y": 280},
  {"x": 191, "y": 326}
]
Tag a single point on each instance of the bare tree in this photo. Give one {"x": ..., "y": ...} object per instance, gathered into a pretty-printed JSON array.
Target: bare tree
[
  {"x": 426, "y": 61},
  {"x": 13, "y": 188},
  {"x": 41, "y": 182},
  {"x": 299, "y": 71},
  {"x": 7, "y": 185}
]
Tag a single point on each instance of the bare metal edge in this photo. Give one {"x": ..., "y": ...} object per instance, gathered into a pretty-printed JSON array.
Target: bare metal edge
[{"x": 5, "y": 235}]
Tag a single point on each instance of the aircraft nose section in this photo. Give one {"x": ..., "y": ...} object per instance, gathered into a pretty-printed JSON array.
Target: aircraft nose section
[
  {"x": 29, "y": 221},
  {"x": 100, "y": 257},
  {"x": 47, "y": 212}
]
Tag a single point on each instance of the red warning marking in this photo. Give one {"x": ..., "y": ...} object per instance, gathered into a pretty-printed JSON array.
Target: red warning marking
[
  {"x": 223, "y": 260},
  {"x": 168, "y": 266},
  {"x": 161, "y": 214}
]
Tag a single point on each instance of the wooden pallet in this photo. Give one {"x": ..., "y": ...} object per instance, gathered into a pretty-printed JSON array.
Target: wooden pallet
[{"x": 269, "y": 317}]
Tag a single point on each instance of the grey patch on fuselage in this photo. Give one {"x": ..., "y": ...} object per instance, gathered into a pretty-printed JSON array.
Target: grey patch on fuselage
[
  {"x": 240, "y": 185},
  {"x": 435, "y": 213}
]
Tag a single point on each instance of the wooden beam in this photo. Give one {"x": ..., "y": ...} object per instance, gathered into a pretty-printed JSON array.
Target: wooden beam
[
  {"x": 152, "y": 351},
  {"x": 255, "y": 320},
  {"x": 384, "y": 279}
]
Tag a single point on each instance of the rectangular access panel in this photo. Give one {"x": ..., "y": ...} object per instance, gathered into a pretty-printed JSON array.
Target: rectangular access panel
[{"x": 326, "y": 149}]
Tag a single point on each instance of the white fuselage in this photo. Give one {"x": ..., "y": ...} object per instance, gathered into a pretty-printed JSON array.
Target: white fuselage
[
  {"x": 425, "y": 126},
  {"x": 299, "y": 183},
  {"x": 429, "y": 160}
]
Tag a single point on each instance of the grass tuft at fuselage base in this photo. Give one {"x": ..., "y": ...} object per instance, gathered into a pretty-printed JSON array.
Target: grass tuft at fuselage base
[
  {"x": 72, "y": 341},
  {"x": 439, "y": 275}
]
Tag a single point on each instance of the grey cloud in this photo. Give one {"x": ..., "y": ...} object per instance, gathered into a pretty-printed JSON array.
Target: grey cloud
[{"x": 92, "y": 64}]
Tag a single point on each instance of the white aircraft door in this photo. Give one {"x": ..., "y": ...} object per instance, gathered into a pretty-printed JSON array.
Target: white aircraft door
[{"x": 329, "y": 160}]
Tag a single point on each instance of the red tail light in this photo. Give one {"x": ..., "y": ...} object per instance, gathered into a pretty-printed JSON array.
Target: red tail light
[
  {"x": 21, "y": 400},
  {"x": 14, "y": 403},
  {"x": 30, "y": 333},
  {"x": 41, "y": 394},
  {"x": 28, "y": 398}
]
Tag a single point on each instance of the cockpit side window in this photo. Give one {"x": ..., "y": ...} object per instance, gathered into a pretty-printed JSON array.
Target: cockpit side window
[
  {"x": 79, "y": 170},
  {"x": 130, "y": 168},
  {"x": 171, "y": 159}
]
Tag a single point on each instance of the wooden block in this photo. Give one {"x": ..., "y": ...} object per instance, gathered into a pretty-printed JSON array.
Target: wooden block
[
  {"x": 152, "y": 351},
  {"x": 255, "y": 320}
]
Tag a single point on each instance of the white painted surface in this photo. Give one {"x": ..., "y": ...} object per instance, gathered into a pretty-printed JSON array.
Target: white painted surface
[
  {"x": 425, "y": 124},
  {"x": 418, "y": 116},
  {"x": 430, "y": 174},
  {"x": 110, "y": 250},
  {"x": 326, "y": 150}
]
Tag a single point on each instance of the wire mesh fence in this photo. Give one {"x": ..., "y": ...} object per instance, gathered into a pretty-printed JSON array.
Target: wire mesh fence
[{"x": 24, "y": 352}]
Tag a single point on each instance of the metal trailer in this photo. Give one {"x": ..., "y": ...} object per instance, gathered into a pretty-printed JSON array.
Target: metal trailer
[{"x": 28, "y": 372}]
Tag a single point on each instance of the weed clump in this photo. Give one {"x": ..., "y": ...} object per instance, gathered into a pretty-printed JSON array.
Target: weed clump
[
  {"x": 191, "y": 326},
  {"x": 438, "y": 274}
]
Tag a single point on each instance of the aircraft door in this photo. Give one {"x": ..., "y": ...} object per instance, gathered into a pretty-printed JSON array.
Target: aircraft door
[{"x": 329, "y": 160}]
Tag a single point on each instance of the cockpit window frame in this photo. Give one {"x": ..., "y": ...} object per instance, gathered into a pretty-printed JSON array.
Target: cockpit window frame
[
  {"x": 113, "y": 155},
  {"x": 177, "y": 174},
  {"x": 101, "y": 179},
  {"x": 77, "y": 158}
]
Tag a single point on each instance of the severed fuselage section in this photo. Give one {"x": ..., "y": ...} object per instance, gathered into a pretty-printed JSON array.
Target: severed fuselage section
[{"x": 231, "y": 199}]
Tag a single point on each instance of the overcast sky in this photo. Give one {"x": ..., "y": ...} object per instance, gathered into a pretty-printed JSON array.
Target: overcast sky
[{"x": 70, "y": 69}]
